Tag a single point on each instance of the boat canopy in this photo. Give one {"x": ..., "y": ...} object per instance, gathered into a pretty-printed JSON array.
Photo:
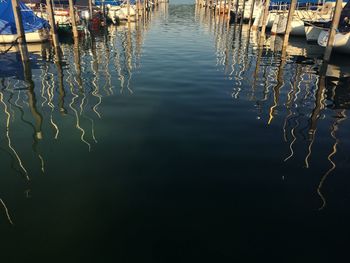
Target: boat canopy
[{"x": 31, "y": 22}]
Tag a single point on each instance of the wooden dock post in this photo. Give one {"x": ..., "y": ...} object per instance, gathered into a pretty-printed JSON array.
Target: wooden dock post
[
  {"x": 225, "y": 7},
  {"x": 265, "y": 17},
  {"x": 73, "y": 19},
  {"x": 90, "y": 9},
  {"x": 104, "y": 12},
  {"x": 51, "y": 17},
  {"x": 292, "y": 6},
  {"x": 243, "y": 8},
  {"x": 251, "y": 13},
  {"x": 21, "y": 38},
  {"x": 236, "y": 11},
  {"x": 333, "y": 30},
  {"x": 128, "y": 9},
  {"x": 143, "y": 8},
  {"x": 229, "y": 10}
]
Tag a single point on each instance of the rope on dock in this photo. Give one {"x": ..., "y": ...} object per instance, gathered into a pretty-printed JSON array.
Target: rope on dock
[
  {"x": 313, "y": 25},
  {"x": 11, "y": 46}
]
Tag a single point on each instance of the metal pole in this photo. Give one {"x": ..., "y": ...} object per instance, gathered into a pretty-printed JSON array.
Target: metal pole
[{"x": 333, "y": 30}]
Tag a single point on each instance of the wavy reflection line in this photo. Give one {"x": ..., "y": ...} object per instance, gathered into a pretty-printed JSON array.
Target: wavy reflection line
[
  {"x": 277, "y": 88},
  {"x": 290, "y": 112},
  {"x": 33, "y": 109},
  {"x": 92, "y": 128},
  {"x": 117, "y": 65},
  {"x": 307, "y": 165},
  {"x": 9, "y": 139},
  {"x": 77, "y": 120},
  {"x": 44, "y": 72},
  {"x": 6, "y": 211},
  {"x": 106, "y": 69},
  {"x": 329, "y": 157},
  {"x": 129, "y": 58},
  {"x": 292, "y": 142},
  {"x": 42, "y": 163},
  {"x": 95, "y": 92},
  {"x": 50, "y": 95}
]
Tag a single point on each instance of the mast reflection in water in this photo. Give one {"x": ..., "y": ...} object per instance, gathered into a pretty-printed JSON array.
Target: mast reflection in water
[{"x": 179, "y": 138}]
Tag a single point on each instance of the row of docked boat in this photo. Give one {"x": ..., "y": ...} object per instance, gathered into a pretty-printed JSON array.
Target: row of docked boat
[
  {"x": 35, "y": 17},
  {"x": 311, "y": 19}
]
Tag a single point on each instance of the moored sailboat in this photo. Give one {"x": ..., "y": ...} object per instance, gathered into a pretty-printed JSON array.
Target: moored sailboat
[
  {"x": 36, "y": 29},
  {"x": 117, "y": 11}
]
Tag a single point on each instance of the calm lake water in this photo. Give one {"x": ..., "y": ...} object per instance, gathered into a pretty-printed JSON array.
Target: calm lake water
[{"x": 178, "y": 139}]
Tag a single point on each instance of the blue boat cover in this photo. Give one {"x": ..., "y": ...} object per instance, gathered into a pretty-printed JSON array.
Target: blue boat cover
[
  {"x": 112, "y": 2},
  {"x": 31, "y": 22}
]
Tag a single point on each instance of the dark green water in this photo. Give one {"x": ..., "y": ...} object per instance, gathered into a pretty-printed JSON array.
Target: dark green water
[{"x": 177, "y": 140}]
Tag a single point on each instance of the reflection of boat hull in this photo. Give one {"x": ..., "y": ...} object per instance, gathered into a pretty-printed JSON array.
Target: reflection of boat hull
[
  {"x": 297, "y": 47},
  {"x": 38, "y": 36},
  {"x": 341, "y": 41}
]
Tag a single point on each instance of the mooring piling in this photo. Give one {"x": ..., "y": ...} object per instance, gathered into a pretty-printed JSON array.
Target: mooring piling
[
  {"x": 242, "y": 15},
  {"x": 333, "y": 30},
  {"x": 265, "y": 17},
  {"x": 73, "y": 20},
  {"x": 53, "y": 31},
  {"x": 251, "y": 13},
  {"x": 236, "y": 11},
  {"x": 292, "y": 7},
  {"x": 21, "y": 38}
]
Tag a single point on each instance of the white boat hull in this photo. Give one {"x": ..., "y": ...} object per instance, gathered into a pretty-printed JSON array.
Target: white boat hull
[
  {"x": 41, "y": 35},
  {"x": 121, "y": 13},
  {"x": 247, "y": 9},
  {"x": 277, "y": 20},
  {"x": 279, "y": 26},
  {"x": 341, "y": 41},
  {"x": 312, "y": 33}
]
